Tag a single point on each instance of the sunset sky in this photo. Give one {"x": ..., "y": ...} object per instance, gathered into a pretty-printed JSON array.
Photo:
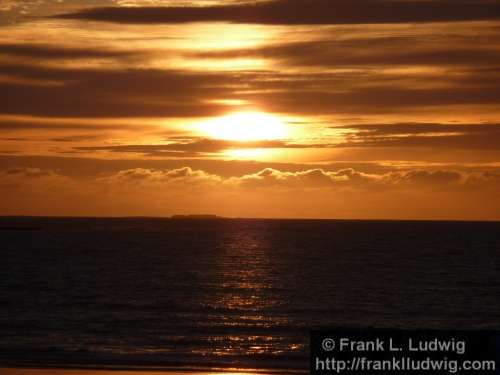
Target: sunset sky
[{"x": 282, "y": 108}]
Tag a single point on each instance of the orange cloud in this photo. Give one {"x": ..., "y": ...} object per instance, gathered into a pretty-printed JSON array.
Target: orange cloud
[{"x": 181, "y": 177}]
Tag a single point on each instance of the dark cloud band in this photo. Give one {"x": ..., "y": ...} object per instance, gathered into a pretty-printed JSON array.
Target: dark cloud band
[{"x": 294, "y": 12}]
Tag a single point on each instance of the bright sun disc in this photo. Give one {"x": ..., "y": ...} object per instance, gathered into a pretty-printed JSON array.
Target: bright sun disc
[{"x": 246, "y": 126}]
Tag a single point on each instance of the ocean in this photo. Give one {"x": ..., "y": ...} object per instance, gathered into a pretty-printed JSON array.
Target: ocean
[{"x": 230, "y": 293}]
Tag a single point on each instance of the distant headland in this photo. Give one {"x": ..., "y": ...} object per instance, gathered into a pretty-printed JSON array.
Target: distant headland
[{"x": 196, "y": 217}]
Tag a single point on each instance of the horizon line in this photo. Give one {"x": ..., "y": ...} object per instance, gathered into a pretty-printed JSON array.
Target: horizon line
[{"x": 210, "y": 217}]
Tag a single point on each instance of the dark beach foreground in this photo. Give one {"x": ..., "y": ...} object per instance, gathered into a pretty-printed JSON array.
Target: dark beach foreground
[
  {"x": 53, "y": 371},
  {"x": 62, "y": 371},
  {"x": 221, "y": 294}
]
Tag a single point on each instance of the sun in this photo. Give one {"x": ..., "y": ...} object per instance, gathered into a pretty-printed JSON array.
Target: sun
[{"x": 246, "y": 126}]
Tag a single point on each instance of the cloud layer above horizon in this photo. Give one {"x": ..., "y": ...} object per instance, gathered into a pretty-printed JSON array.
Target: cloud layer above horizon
[{"x": 315, "y": 192}]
